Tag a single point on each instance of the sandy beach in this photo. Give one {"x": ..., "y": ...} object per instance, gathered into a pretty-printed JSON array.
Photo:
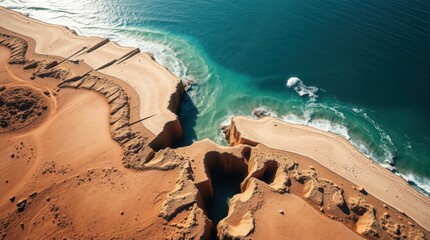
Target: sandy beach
[
  {"x": 339, "y": 156},
  {"x": 85, "y": 137},
  {"x": 149, "y": 79}
]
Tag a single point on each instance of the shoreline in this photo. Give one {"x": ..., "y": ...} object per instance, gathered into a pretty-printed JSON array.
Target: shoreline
[
  {"x": 110, "y": 58},
  {"x": 336, "y": 154},
  {"x": 412, "y": 179},
  {"x": 151, "y": 141}
]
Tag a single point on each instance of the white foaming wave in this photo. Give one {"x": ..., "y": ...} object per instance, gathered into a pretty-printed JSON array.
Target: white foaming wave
[
  {"x": 159, "y": 44},
  {"x": 166, "y": 57},
  {"x": 303, "y": 90},
  {"x": 307, "y": 119},
  {"x": 179, "y": 53},
  {"x": 296, "y": 119},
  {"x": 362, "y": 147},
  {"x": 365, "y": 150},
  {"x": 390, "y": 149},
  {"x": 422, "y": 182},
  {"x": 227, "y": 120},
  {"x": 292, "y": 81},
  {"x": 329, "y": 126},
  {"x": 386, "y": 145},
  {"x": 321, "y": 124},
  {"x": 193, "y": 67},
  {"x": 357, "y": 110},
  {"x": 220, "y": 137},
  {"x": 324, "y": 106}
]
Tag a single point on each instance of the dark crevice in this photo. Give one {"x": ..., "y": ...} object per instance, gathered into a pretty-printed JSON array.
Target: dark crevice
[
  {"x": 344, "y": 208},
  {"x": 224, "y": 187},
  {"x": 187, "y": 114},
  {"x": 269, "y": 174},
  {"x": 246, "y": 152},
  {"x": 226, "y": 172}
]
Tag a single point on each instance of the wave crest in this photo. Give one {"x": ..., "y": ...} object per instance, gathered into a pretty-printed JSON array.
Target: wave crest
[{"x": 302, "y": 89}]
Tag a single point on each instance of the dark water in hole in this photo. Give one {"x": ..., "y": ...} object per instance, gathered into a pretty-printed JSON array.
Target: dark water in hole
[{"x": 225, "y": 186}]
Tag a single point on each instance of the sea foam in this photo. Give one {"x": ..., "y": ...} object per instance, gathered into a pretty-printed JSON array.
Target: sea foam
[
  {"x": 302, "y": 89},
  {"x": 321, "y": 124}
]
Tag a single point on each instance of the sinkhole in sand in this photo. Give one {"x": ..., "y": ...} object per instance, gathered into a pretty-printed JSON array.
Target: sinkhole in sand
[
  {"x": 226, "y": 172},
  {"x": 225, "y": 186}
]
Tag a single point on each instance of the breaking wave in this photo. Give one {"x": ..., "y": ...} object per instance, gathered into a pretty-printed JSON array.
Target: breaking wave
[{"x": 303, "y": 90}]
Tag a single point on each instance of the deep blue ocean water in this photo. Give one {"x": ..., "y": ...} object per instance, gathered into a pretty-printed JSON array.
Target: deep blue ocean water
[{"x": 358, "y": 68}]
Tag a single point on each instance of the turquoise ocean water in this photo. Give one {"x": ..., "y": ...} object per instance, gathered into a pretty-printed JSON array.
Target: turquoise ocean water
[{"x": 360, "y": 69}]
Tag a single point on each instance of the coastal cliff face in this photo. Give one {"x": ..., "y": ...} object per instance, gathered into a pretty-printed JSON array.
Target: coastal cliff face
[
  {"x": 234, "y": 137},
  {"x": 89, "y": 167}
]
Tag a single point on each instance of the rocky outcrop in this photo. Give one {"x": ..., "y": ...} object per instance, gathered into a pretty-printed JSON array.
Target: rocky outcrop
[
  {"x": 367, "y": 223},
  {"x": 302, "y": 176},
  {"x": 18, "y": 47},
  {"x": 164, "y": 160},
  {"x": 338, "y": 198},
  {"x": 320, "y": 191},
  {"x": 240, "y": 231},
  {"x": 195, "y": 226},
  {"x": 235, "y": 137},
  {"x": 270, "y": 171},
  {"x": 390, "y": 226},
  {"x": 232, "y": 228},
  {"x": 183, "y": 196},
  {"x": 262, "y": 112},
  {"x": 314, "y": 191}
]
